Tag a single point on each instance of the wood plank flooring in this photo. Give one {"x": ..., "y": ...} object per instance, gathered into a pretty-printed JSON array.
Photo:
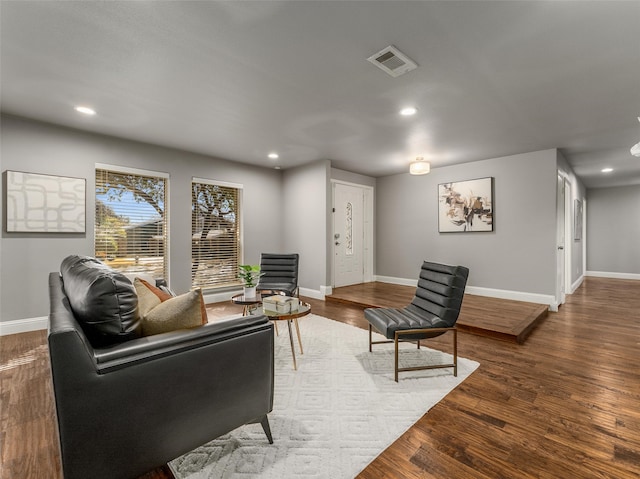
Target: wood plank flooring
[
  {"x": 563, "y": 405},
  {"x": 497, "y": 318}
]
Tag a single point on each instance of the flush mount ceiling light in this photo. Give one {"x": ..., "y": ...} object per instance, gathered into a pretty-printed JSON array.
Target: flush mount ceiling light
[
  {"x": 607, "y": 170},
  {"x": 635, "y": 149},
  {"x": 408, "y": 111},
  {"x": 85, "y": 110},
  {"x": 273, "y": 156},
  {"x": 419, "y": 167}
]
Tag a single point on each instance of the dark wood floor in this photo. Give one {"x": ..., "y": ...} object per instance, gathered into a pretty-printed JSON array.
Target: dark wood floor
[
  {"x": 565, "y": 404},
  {"x": 496, "y": 318}
]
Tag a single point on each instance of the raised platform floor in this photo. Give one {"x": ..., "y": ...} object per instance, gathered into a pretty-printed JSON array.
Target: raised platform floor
[{"x": 496, "y": 318}]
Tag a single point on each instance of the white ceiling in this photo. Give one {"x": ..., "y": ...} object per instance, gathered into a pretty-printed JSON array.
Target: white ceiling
[{"x": 240, "y": 79}]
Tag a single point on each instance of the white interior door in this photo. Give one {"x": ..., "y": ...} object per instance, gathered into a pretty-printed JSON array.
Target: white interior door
[
  {"x": 560, "y": 242},
  {"x": 568, "y": 235},
  {"x": 348, "y": 234}
]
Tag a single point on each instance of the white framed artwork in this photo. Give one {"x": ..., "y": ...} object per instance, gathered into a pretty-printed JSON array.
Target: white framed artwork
[
  {"x": 465, "y": 206},
  {"x": 38, "y": 203}
]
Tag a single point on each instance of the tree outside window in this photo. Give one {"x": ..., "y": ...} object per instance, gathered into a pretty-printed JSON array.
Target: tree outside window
[
  {"x": 215, "y": 240},
  {"x": 131, "y": 222}
]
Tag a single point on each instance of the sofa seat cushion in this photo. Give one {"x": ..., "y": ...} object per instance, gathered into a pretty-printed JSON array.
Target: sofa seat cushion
[
  {"x": 103, "y": 300},
  {"x": 389, "y": 320},
  {"x": 280, "y": 286}
]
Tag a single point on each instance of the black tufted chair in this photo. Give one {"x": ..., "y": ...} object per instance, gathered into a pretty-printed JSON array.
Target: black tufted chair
[
  {"x": 279, "y": 274},
  {"x": 433, "y": 311}
]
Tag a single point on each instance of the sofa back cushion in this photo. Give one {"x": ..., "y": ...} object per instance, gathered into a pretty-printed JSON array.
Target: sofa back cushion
[{"x": 103, "y": 301}]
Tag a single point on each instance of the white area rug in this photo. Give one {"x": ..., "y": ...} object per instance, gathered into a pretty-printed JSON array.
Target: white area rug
[{"x": 332, "y": 416}]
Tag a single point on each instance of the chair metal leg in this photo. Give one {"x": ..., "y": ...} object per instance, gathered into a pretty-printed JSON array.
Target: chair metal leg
[
  {"x": 370, "y": 337},
  {"x": 266, "y": 428},
  {"x": 414, "y": 332},
  {"x": 293, "y": 352},
  {"x": 298, "y": 331},
  {"x": 455, "y": 352},
  {"x": 396, "y": 358}
]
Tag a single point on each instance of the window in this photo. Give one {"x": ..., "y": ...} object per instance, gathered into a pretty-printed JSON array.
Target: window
[
  {"x": 349, "y": 230},
  {"x": 216, "y": 235},
  {"x": 131, "y": 220}
]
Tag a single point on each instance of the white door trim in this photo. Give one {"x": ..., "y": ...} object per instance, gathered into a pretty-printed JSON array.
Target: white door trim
[
  {"x": 561, "y": 239},
  {"x": 568, "y": 236}
]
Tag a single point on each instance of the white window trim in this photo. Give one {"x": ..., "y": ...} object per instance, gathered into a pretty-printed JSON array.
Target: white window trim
[
  {"x": 207, "y": 181},
  {"x": 131, "y": 171}
]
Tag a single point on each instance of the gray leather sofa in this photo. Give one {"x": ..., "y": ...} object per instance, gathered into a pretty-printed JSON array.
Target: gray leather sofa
[{"x": 129, "y": 407}]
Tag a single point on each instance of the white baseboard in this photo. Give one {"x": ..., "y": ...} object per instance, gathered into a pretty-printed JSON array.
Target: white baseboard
[
  {"x": 489, "y": 292},
  {"x": 547, "y": 299},
  {"x": 220, "y": 297},
  {"x": 35, "y": 324},
  {"x": 23, "y": 325},
  {"x": 605, "y": 274},
  {"x": 577, "y": 284},
  {"x": 314, "y": 293},
  {"x": 226, "y": 296},
  {"x": 392, "y": 280},
  {"x": 325, "y": 291}
]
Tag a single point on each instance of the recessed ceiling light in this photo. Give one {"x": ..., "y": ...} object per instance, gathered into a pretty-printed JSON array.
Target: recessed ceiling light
[
  {"x": 607, "y": 170},
  {"x": 408, "y": 111},
  {"x": 85, "y": 110},
  {"x": 277, "y": 167},
  {"x": 273, "y": 156}
]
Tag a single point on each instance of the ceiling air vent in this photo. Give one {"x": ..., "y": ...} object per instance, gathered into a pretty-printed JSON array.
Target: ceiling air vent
[{"x": 392, "y": 61}]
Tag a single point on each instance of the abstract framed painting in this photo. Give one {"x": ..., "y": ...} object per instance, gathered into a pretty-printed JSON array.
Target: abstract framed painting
[
  {"x": 577, "y": 220},
  {"x": 466, "y": 206},
  {"x": 38, "y": 203}
]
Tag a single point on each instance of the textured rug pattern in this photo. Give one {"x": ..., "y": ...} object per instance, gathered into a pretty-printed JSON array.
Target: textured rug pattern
[{"x": 332, "y": 416}]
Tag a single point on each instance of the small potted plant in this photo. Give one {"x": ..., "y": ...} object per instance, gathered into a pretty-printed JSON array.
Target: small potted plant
[{"x": 249, "y": 274}]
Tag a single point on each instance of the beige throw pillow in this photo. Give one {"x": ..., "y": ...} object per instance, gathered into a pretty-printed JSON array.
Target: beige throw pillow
[
  {"x": 184, "y": 311},
  {"x": 147, "y": 299}
]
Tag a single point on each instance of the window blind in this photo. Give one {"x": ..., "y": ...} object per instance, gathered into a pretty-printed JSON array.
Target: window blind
[
  {"x": 132, "y": 221},
  {"x": 216, "y": 235}
]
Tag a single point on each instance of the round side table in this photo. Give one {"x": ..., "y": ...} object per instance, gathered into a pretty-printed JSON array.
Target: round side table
[
  {"x": 249, "y": 304},
  {"x": 292, "y": 317}
]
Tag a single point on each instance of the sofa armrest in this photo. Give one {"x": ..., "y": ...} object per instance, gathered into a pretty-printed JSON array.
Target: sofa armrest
[{"x": 149, "y": 348}]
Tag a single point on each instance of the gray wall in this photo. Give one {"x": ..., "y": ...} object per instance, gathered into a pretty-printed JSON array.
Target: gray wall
[
  {"x": 520, "y": 255},
  {"x": 613, "y": 229},
  {"x": 304, "y": 217},
  {"x": 26, "y": 259}
]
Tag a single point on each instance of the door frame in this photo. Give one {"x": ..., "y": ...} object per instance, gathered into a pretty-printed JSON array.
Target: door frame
[
  {"x": 564, "y": 259},
  {"x": 367, "y": 230},
  {"x": 568, "y": 234}
]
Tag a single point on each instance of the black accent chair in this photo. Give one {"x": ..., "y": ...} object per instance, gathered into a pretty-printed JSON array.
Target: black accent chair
[
  {"x": 130, "y": 407},
  {"x": 279, "y": 274},
  {"x": 433, "y": 311}
]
